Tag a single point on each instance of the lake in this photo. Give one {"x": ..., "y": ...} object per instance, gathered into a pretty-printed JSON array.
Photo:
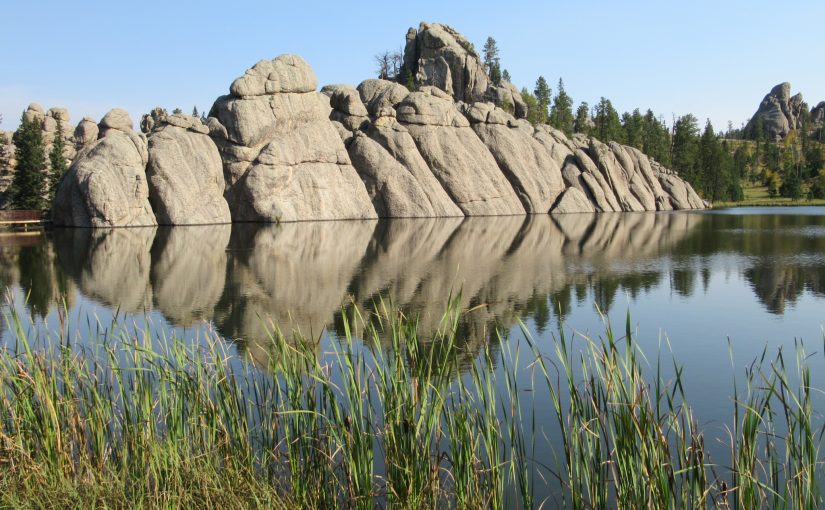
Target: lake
[{"x": 716, "y": 288}]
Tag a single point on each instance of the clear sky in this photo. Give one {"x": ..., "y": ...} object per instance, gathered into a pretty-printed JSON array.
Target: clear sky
[{"x": 715, "y": 59}]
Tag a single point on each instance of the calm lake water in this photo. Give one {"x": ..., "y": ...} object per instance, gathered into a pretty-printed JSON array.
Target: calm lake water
[{"x": 708, "y": 286}]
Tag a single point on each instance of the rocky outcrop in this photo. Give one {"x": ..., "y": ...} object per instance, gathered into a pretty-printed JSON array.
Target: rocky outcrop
[
  {"x": 277, "y": 150},
  {"x": 778, "y": 114},
  {"x": 107, "y": 187},
  {"x": 283, "y": 158},
  {"x": 525, "y": 162},
  {"x": 396, "y": 140},
  {"x": 456, "y": 156},
  {"x": 438, "y": 55},
  {"x": 818, "y": 120},
  {"x": 346, "y": 105},
  {"x": 573, "y": 200},
  {"x": 185, "y": 173}
]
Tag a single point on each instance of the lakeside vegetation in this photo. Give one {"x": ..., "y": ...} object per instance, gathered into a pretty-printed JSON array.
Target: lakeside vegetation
[{"x": 384, "y": 416}]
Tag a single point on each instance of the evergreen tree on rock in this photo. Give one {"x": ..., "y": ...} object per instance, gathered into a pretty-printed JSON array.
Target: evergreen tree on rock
[
  {"x": 582, "y": 122},
  {"x": 492, "y": 61},
  {"x": 27, "y": 186},
  {"x": 57, "y": 161},
  {"x": 542, "y": 92},
  {"x": 561, "y": 116}
]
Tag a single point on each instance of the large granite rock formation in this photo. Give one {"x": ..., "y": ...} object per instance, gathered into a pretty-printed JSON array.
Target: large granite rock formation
[
  {"x": 107, "y": 187},
  {"x": 185, "y": 173},
  {"x": 275, "y": 149},
  {"x": 779, "y": 113},
  {"x": 283, "y": 158}
]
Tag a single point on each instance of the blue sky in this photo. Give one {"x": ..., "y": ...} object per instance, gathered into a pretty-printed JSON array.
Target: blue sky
[{"x": 713, "y": 59}]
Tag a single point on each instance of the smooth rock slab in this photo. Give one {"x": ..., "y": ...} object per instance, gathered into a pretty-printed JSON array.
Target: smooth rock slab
[{"x": 185, "y": 177}]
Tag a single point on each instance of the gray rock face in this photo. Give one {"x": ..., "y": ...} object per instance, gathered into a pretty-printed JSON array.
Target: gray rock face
[
  {"x": 615, "y": 176},
  {"x": 347, "y": 107},
  {"x": 507, "y": 96},
  {"x": 525, "y": 162},
  {"x": 456, "y": 156},
  {"x": 381, "y": 96},
  {"x": 573, "y": 200},
  {"x": 107, "y": 186},
  {"x": 818, "y": 120},
  {"x": 440, "y": 56},
  {"x": 398, "y": 143},
  {"x": 185, "y": 174},
  {"x": 778, "y": 112},
  {"x": 116, "y": 119},
  {"x": 86, "y": 132},
  {"x": 394, "y": 191},
  {"x": 283, "y": 158}
]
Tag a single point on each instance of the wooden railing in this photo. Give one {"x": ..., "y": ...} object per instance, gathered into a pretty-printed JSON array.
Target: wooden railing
[{"x": 21, "y": 216}]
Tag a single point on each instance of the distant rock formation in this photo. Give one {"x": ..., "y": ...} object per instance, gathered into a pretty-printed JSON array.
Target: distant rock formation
[
  {"x": 277, "y": 150},
  {"x": 779, "y": 113},
  {"x": 48, "y": 121}
]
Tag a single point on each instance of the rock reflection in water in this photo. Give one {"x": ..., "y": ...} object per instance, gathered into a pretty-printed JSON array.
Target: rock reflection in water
[
  {"x": 300, "y": 276},
  {"x": 294, "y": 275},
  {"x": 189, "y": 271},
  {"x": 111, "y": 266}
]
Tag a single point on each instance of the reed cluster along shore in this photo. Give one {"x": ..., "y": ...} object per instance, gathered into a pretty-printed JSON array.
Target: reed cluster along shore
[{"x": 387, "y": 417}]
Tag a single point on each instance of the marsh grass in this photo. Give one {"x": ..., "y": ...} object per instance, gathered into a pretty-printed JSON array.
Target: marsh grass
[{"x": 387, "y": 417}]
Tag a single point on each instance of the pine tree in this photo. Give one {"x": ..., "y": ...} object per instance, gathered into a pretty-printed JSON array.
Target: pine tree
[
  {"x": 492, "y": 62},
  {"x": 561, "y": 116},
  {"x": 542, "y": 92},
  {"x": 685, "y": 148},
  {"x": 27, "y": 186},
  {"x": 59, "y": 165},
  {"x": 582, "y": 122},
  {"x": 505, "y": 75},
  {"x": 195, "y": 112},
  {"x": 608, "y": 126},
  {"x": 532, "y": 106},
  {"x": 633, "y": 125}
]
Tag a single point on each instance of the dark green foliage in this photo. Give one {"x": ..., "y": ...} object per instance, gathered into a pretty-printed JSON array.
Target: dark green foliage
[
  {"x": 505, "y": 75},
  {"x": 492, "y": 61},
  {"x": 582, "y": 122},
  {"x": 543, "y": 94},
  {"x": 791, "y": 182},
  {"x": 655, "y": 138},
  {"x": 818, "y": 187},
  {"x": 408, "y": 80},
  {"x": 27, "y": 186},
  {"x": 608, "y": 127},
  {"x": 633, "y": 124},
  {"x": 532, "y": 106},
  {"x": 58, "y": 162},
  {"x": 177, "y": 111},
  {"x": 195, "y": 112},
  {"x": 561, "y": 116},
  {"x": 685, "y": 150},
  {"x": 718, "y": 172}
]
